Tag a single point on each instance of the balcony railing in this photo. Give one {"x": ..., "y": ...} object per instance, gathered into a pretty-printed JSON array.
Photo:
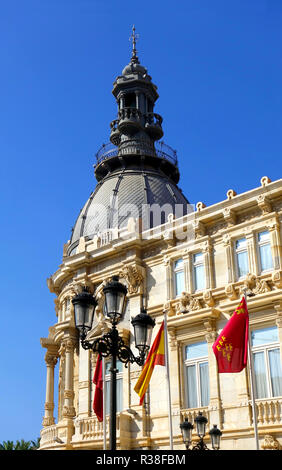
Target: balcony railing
[
  {"x": 163, "y": 151},
  {"x": 269, "y": 411}
]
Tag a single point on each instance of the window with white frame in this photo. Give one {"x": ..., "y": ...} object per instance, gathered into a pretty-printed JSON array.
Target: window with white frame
[
  {"x": 267, "y": 362},
  {"x": 179, "y": 277},
  {"x": 242, "y": 259},
  {"x": 199, "y": 278},
  {"x": 196, "y": 375},
  {"x": 264, "y": 248},
  {"x": 108, "y": 386}
]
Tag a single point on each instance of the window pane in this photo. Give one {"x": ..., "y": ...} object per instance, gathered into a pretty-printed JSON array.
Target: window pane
[
  {"x": 108, "y": 366},
  {"x": 243, "y": 264},
  {"x": 241, "y": 244},
  {"x": 192, "y": 401},
  {"x": 199, "y": 276},
  {"x": 275, "y": 372},
  {"x": 178, "y": 264},
  {"x": 196, "y": 350},
  {"x": 204, "y": 380},
  {"x": 263, "y": 236},
  {"x": 198, "y": 258},
  {"x": 265, "y": 257},
  {"x": 260, "y": 375},
  {"x": 179, "y": 283},
  {"x": 265, "y": 336}
]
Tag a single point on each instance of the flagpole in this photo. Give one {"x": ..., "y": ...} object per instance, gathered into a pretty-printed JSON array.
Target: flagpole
[
  {"x": 168, "y": 383},
  {"x": 104, "y": 405},
  {"x": 252, "y": 382}
]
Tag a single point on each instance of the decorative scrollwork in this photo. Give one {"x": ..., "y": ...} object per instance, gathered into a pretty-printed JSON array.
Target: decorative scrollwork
[{"x": 111, "y": 344}]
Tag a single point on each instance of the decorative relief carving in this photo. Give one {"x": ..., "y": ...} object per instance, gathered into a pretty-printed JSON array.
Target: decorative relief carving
[
  {"x": 187, "y": 303},
  {"x": 211, "y": 334},
  {"x": 51, "y": 359},
  {"x": 264, "y": 204},
  {"x": 230, "y": 291},
  {"x": 277, "y": 278},
  {"x": 134, "y": 277},
  {"x": 168, "y": 309},
  {"x": 255, "y": 285},
  {"x": 270, "y": 443},
  {"x": 199, "y": 228},
  {"x": 77, "y": 286},
  {"x": 248, "y": 215},
  {"x": 230, "y": 216},
  {"x": 208, "y": 298}
]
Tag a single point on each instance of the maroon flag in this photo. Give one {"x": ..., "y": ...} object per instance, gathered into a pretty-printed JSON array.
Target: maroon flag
[
  {"x": 231, "y": 347},
  {"x": 98, "y": 396}
]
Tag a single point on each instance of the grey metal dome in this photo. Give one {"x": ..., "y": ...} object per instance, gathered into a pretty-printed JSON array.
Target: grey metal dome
[{"x": 128, "y": 193}]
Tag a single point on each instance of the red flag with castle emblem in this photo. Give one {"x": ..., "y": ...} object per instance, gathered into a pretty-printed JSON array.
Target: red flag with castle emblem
[{"x": 231, "y": 347}]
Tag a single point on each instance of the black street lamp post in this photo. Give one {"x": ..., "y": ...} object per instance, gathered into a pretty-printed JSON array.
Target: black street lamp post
[
  {"x": 111, "y": 344},
  {"x": 201, "y": 421}
]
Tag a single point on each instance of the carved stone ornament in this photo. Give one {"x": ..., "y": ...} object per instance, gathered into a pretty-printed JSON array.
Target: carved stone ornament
[
  {"x": 199, "y": 228},
  {"x": 200, "y": 206},
  {"x": 168, "y": 309},
  {"x": 277, "y": 278},
  {"x": 255, "y": 285},
  {"x": 208, "y": 298},
  {"x": 230, "y": 291},
  {"x": 231, "y": 193},
  {"x": 187, "y": 303},
  {"x": 230, "y": 216},
  {"x": 77, "y": 286},
  {"x": 270, "y": 443},
  {"x": 134, "y": 277},
  {"x": 264, "y": 204},
  {"x": 265, "y": 180}
]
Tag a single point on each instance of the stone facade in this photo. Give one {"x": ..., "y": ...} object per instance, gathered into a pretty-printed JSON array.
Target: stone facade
[{"x": 144, "y": 261}]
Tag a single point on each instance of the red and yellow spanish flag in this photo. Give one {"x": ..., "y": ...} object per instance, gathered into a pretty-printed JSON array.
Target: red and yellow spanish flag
[
  {"x": 231, "y": 347},
  {"x": 155, "y": 357}
]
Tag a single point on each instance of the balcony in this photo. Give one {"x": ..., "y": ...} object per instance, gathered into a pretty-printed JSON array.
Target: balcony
[
  {"x": 129, "y": 120},
  {"x": 162, "y": 151},
  {"x": 153, "y": 125}
]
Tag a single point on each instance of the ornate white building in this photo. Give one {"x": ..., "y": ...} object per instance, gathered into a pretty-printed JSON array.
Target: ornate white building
[{"x": 191, "y": 262}]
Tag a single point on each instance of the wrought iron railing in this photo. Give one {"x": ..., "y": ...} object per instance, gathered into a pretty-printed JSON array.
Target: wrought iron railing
[{"x": 163, "y": 151}]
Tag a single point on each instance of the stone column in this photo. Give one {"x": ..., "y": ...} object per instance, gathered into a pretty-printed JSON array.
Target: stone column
[
  {"x": 208, "y": 262},
  {"x": 276, "y": 249},
  {"x": 51, "y": 360},
  {"x": 252, "y": 253},
  {"x": 68, "y": 408},
  {"x": 168, "y": 277},
  {"x": 227, "y": 243},
  {"x": 278, "y": 308}
]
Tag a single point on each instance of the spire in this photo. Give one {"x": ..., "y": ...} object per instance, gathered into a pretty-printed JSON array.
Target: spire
[{"x": 134, "y": 38}]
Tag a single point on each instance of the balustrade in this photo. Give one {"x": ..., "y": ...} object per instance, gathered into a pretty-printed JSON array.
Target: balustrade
[{"x": 269, "y": 411}]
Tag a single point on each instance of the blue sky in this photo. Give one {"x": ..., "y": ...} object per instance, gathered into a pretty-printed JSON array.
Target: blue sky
[{"x": 217, "y": 65}]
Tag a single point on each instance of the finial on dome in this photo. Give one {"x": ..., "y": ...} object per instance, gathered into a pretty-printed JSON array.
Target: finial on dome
[{"x": 134, "y": 38}]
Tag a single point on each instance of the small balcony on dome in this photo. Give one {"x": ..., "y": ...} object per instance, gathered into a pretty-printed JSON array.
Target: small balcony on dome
[
  {"x": 115, "y": 133},
  {"x": 129, "y": 120},
  {"x": 153, "y": 125}
]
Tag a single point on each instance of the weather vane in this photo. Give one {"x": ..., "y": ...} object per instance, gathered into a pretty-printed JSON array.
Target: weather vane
[{"x": 134, "y": 38}]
